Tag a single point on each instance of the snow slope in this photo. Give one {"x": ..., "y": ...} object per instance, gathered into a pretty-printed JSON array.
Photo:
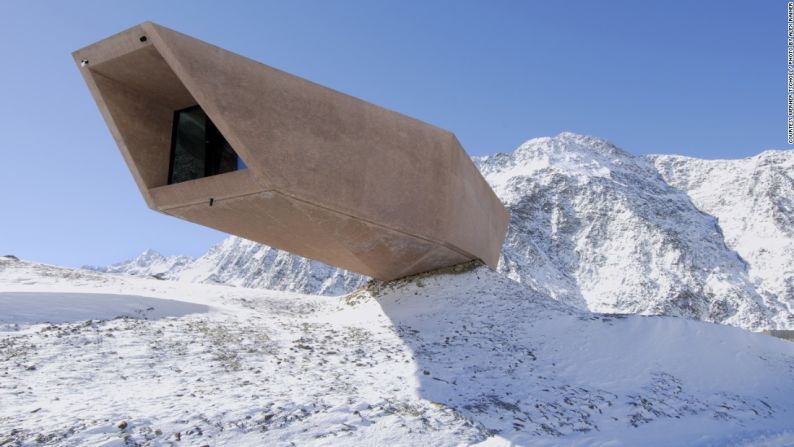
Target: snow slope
[
  {"x": 457, "y": 358},
  {"x": 598, "y": 228},
  {"x": 149, "y": 263},
  {"x": 243, "y": 263},
  {"x": 240, "y": 262},
  {"x": 26, "y": 308},
  {"x": 753, "y": 199}
]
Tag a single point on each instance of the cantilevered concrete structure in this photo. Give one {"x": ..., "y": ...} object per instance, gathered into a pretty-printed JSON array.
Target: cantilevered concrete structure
[{"x": 220, "y": 140}]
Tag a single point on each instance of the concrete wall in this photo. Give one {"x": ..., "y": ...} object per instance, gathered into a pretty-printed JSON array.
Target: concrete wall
[{"x": 330, "y": 177}]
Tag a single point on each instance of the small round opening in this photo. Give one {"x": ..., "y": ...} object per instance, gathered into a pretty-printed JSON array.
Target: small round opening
[
  {"x": 143, "y": 39},
  {"x": 84, "y": 62}
]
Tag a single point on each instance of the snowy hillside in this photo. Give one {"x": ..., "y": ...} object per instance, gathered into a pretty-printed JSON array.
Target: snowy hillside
[
  {"x": 600, "y": 229},
  {"x": 753, "y": 199},
  {"x": 149, "y": 263},
  {"x": 459, "y": 358},
  {"x": 243, "y": 263}
]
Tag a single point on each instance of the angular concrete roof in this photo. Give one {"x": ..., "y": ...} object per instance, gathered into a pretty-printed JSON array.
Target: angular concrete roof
[{"x": 329, "y": 176}]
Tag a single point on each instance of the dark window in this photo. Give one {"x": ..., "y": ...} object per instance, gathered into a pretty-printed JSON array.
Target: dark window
[{"x": 198, "y": 149}]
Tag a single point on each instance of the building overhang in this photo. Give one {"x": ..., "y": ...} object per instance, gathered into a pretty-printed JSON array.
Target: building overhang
[{"x": 328, "y": 176}]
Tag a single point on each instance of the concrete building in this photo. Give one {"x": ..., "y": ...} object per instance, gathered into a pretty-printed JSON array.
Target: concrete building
[{"x": 221, "y": 140}]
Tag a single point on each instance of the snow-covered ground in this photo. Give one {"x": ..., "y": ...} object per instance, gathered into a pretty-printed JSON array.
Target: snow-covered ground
[
  {"x": 27, "y": 308},
  {"x": 457, "y": 358}
]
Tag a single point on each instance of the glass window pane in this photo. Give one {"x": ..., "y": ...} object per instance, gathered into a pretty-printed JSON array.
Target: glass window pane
[
  {"x": 199, "y": 149},
  {"x": 189, "y": 146}
]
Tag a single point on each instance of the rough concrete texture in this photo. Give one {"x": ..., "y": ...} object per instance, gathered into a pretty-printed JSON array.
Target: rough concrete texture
[{"x": 330, "y": 177}]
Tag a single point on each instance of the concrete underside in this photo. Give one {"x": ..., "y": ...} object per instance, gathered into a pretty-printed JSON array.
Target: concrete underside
[{"x": 330, "y": 177}]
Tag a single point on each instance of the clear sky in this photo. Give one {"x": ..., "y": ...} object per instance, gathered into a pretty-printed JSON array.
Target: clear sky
[{"x": 705, "y": 79}]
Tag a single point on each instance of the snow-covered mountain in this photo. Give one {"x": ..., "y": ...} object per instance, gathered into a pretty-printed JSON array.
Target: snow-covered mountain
[
  {"x": 753, "y": 199},
  {"x": 148, "y": 263},
  {"x": 243, "y": 263},
  {"x": 459, "y": 357},
  {"x": 598, "y": 228},
  {"x": 240, "y": 262}
]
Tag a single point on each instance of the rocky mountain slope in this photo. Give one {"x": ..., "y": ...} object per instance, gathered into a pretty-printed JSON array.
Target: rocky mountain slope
[
  {"x": 597, "y": 228},
  {"x": 148, "y": 263},
  {"x": 243, "y": 263},
  {"x": 460, "y": 357},
  {"x": 753, "y": 199}
]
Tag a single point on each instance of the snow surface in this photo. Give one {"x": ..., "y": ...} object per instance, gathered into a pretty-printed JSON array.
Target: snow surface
[
  {"x": 600, "y": 229},
  {"x": 148, "y": 263},
  {"x": 753, "y": 198},
  {"x": 26, "y": 308},
  {"x": 243, "y": 263},
  {"x": 466, "y": 357},
  {"x": 597, "y": 228}
]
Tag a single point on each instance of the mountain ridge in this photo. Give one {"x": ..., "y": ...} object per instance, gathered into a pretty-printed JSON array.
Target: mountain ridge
[{"x": 592, "y": 226}]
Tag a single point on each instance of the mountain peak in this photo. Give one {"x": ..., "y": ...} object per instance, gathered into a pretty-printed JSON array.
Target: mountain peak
[
  {"x": 149, "y": 263},
  {"x": 570, "y": 142},
  {"x": 599, "y": 228},
  {"x": 577, "y": 158},
  {"x": 150, "y": 254}
]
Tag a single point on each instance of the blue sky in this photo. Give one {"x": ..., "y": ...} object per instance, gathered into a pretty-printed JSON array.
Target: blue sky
[{"x": 705, "y": 79}]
